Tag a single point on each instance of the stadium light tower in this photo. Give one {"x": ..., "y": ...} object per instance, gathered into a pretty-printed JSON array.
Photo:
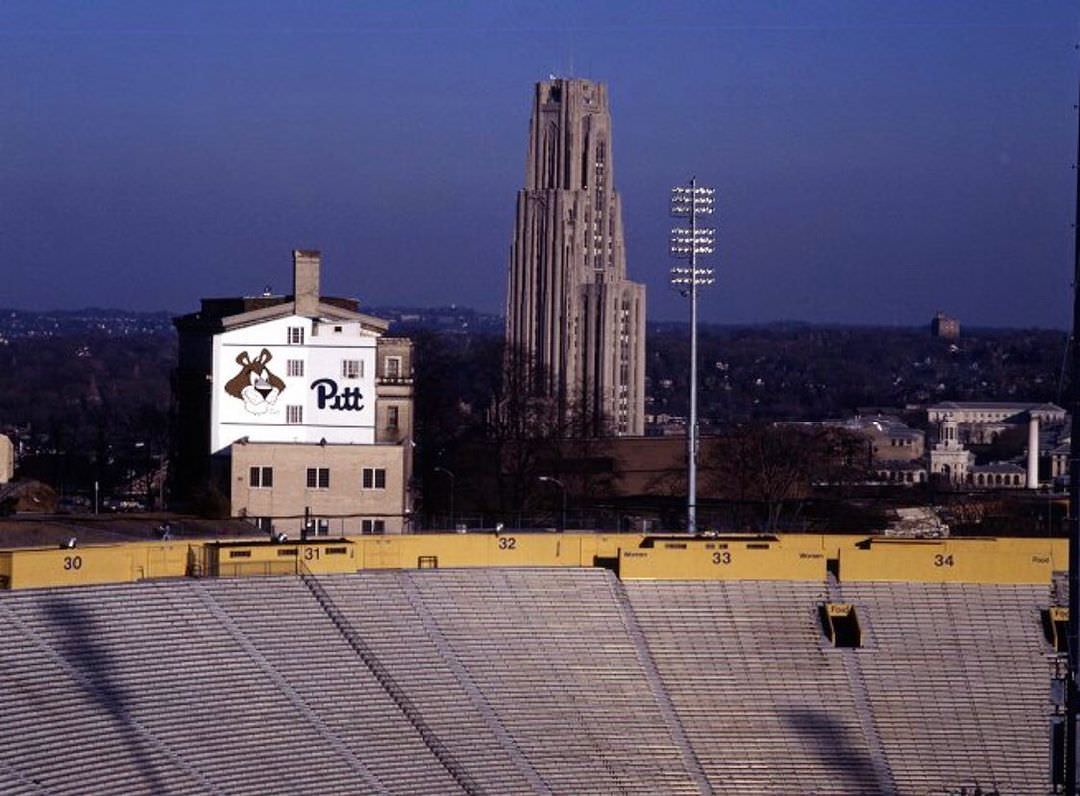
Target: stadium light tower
[{"x": 689, "y": 202}]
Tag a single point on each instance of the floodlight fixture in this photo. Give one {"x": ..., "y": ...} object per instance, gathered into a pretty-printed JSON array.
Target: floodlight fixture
[
  {"x": 681, "y": 277},
  {"x": 689, "y": 201},
  {"x": 685, "y": 242}
]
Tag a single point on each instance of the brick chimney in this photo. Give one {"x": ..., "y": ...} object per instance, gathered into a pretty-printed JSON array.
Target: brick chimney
[{"x": 306, "y": 282}]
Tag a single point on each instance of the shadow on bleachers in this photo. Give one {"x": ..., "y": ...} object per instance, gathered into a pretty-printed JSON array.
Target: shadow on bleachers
[
  {"x": 93, "y": 667},
  {"x": 853, "y": 769}
]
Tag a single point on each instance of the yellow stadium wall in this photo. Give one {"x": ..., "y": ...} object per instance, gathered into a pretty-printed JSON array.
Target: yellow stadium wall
[
  {"x": 237, "y": 559},
  {"x": 955, "y": 560},
  {"x": 727, "y": 559},
  {"x": 43, "y": 568},
  {"x": 491, "y": 550},
  {"x": 781, "y": 557}
]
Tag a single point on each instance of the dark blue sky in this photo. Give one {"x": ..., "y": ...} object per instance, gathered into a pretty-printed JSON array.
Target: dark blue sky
[{"x": 874, "y": 161}]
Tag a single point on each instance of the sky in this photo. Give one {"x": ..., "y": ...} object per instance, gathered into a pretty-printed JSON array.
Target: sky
[{"x": 874, "y": 162}]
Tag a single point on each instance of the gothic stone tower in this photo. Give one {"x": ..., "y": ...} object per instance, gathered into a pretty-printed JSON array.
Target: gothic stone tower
[{"x": 575, "y": 325}]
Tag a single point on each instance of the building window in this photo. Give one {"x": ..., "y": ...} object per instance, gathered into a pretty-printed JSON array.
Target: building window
[
  {"x": 352, "y": 369},
  {"x": 294, "y": 414},
  {"x": 294, "y": 367},
  {"x": 296, "y": 335},
  {"x": 374, "y": 478},
  {"x": 317, "y": 526},
  {"x": 373, "y": 526},
  {"x": 391, "y": 417},
  {"x": 318, "y": 478},
  {"x": 393, "y": 367},
  {"x": 261, "y": 477}
]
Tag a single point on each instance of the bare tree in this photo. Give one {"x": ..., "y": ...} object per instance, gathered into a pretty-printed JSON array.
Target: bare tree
[
  {"x": 774, "y": 467},
  {"x": 523, "y": 428}
]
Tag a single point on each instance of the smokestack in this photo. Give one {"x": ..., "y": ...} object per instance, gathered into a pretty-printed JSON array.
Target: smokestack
[
  {"x": 306, "y": 282},
  {"x": 1033, "y": 453}
]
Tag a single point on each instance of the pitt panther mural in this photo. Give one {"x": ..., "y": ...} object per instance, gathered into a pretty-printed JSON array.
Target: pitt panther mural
[{"x": 255, "y": 384}]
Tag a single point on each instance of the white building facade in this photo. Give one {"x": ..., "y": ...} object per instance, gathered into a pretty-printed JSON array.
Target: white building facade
[
  {"x": 295, "y": 379},
  {"x": 301, "y": 406}
]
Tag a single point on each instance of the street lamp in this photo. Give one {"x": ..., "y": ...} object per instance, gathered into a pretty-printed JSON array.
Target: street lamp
[
  {"x": 686, "y": 244},
  {"x": 548, "y": 479},
  {"x": 453, "y": 480}
]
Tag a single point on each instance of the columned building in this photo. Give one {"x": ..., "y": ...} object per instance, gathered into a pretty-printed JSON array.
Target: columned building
[
  {"x": 982, "y": 422},
  {"x": 575, "y": 325}
]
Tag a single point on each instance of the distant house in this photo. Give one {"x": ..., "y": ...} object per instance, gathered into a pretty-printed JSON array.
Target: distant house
[
  {"x": 27, "y": 497},
  {"x": 945, "y": 327},
  {"x": 890, "y": 438}
]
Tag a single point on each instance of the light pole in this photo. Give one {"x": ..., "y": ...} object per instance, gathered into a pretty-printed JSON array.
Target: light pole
[
  {"x": 453, "y": 481},
  {"x": 549, "y": 480},
  {"x": 686, "y": 244}
]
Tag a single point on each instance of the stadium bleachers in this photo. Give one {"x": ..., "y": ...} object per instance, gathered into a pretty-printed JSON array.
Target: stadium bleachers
[
  {"x": 72, "y": 714},
  {"x": 547, "y": 653},
  {"x": 959, "y": 683},
  {"x": 530, "y": 680},
  {"x": 747, "y": 669},
  {"x": 290, "y": 638},
  {"x": 236, "y": 686},
  {"x": 378, "y": 608}
]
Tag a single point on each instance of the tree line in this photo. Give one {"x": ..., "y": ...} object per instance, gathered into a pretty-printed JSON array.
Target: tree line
[{"x": 86, "y": 407}]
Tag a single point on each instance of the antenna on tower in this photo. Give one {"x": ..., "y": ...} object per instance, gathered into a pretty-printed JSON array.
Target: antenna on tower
[{"x": 570, "y": 40}]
